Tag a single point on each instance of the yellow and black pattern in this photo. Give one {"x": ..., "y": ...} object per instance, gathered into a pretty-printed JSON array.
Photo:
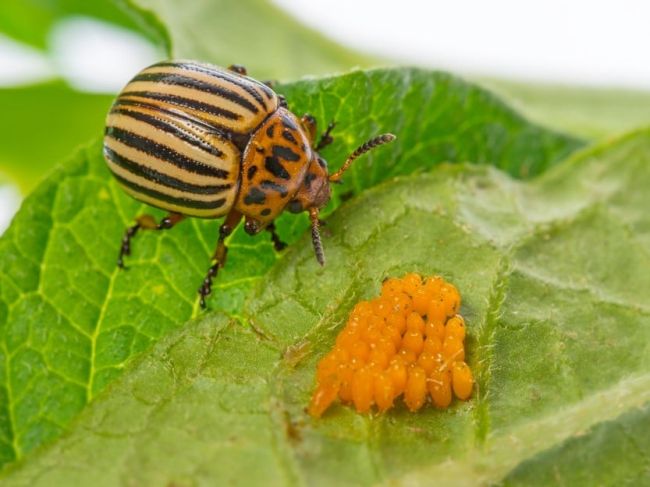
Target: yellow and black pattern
[
  {"x": 275, "y": 167},
  {"x": 175, "y": 135}
]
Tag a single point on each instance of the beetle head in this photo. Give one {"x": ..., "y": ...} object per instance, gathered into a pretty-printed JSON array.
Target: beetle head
[{"x": 314, "y": 191}]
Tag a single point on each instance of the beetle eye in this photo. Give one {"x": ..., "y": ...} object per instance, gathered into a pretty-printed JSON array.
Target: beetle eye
[
  {"x": 322, "y": 163},
  {"x": 295, "y": 206}
]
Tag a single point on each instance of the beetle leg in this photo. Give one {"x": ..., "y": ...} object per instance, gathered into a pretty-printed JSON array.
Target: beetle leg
[
  {"x": 220, "y": 254},
  {"x": 238, "y": 68},
  {"x": 326, "y": 139},
  {"x": 278, "y": 244},
  {"x": 145, "y": 222}
]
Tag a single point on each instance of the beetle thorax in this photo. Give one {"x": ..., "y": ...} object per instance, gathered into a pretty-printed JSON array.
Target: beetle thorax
[{"x": 274, "y": 166}]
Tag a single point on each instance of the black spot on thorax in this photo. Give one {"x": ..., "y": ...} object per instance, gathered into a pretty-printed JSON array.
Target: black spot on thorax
[
  {"x": 285, "y": 153},
  {"x": 255, "y": 196},
  {"x": 270, "y": 185},
  {"x": 273, "y": 165}
]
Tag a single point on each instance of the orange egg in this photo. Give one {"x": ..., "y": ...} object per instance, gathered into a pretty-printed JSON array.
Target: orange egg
[
  {"x": 362, "y": 389},
  {"x": 435, "y": 328},
  {"x": 397, "y": 320},
  {"x": 451, "y": 298},
  {"x": 413, "y": 341},
  {"x": 455, "y": 326},
  {"x": 452, "y": 349},
  {"x": 432, "y": 345},
  {"x": 421, "y": 300},
  {"x": 462, "y": 380},
  {"x": 322, "y": 399},
  {"x": 411, "y": 283},
  {"x": 397, "y": 373},
  {"x": 427, "y": 361},
  {"x": 414, "y": 322},
  {"x": 362, "y": 308},
  {"x": 415, "y": 392},
  {"x": 393, "y": 334},
  {"x": 391, "y": 286},
  {"x": 440, "y": 389},
  {"x": 346, "y": 373},
  {"x": 437, "y": 311},
  {"x": 360, "y": 350},
  {"x": 384, "y": 391}
]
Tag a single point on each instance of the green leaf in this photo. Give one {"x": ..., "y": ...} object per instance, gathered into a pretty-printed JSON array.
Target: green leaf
[
  {"x": 42, "y": 124},
  {"x": 70, "y": 320},
  {"x": 254, "y": 33},
  {"x": 554, "y": 277}
]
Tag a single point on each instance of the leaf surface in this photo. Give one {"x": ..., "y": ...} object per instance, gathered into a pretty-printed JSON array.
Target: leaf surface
[
  {"x": 554, "y": 277},
  {"x": 70, "y": 320}
]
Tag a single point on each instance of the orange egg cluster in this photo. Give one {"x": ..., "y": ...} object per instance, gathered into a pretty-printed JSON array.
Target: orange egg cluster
[{"x": 408, "y": 341}]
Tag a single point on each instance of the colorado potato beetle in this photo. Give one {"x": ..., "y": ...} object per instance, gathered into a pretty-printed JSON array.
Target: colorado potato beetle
[{"x": 201, "y": 141}]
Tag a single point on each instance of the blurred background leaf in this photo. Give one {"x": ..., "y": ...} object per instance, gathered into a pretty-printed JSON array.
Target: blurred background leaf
[
  {"x": 583, "y": 111},
  {"x": 31, "y": 21},
  {"x": 255, "y": 33},
  {"x": 47, "y": 121}
]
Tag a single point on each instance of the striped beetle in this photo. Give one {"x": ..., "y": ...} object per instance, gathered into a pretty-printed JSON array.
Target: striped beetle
[{"x": 201, "y": 141}]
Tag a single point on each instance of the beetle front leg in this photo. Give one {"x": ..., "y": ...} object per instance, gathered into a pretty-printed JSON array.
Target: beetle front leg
[
  {"x": 220, "y": 254},
  {"x": 326, "y": 139},
  {"x": 145, "y": 222},
  {"x": 278, "y": 244}
]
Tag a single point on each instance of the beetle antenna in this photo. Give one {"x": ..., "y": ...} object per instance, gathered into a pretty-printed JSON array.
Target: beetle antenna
[
  {"x": 315, "y": 236},
  {"x": 361, "y": 150}
]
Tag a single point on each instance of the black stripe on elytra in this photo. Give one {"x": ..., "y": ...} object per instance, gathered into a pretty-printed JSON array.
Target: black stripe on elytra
[
  {"x": 240, "y": 140},
  {"x": 255, "y": 197},
  {"x": 163, "y": 152},
  {"x": 267, "y": 91},
  {"x": 171, "y": 112},
  {"x": 269, "y": 131},
  {"x": 193, "y": 83},
  {"x": 246, "y": 84},
  {"x": 185, "y": 102},
  {"x": 266, "y": 184},
  {"x": 289, "y": 136},
  {"x": 273, "y": 165},
  {"x": 186, "y": 202},
  {"x": 161, "y": 178},
  {"x": 170, "y": 128},
  {"x": 285, "y": 153}
]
